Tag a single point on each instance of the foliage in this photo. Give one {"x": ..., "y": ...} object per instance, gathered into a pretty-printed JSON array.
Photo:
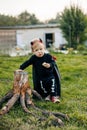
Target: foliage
[
  {"x": 73, "y": 70},
  {"x": 24, "y": 18},
  {"x": 7, "y": 20},
  {"x": 81, "y": 47},
  {"x": 73, "y": 24}
]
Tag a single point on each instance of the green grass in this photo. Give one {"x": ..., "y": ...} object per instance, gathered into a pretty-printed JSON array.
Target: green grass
[{"x": 73, "y": 70}]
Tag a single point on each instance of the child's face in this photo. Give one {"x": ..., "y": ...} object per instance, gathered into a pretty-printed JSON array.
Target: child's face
[{"x": 39, "y": 50}]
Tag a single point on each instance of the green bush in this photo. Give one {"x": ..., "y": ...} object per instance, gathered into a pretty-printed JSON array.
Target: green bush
[{"x": 81, "y": 47}]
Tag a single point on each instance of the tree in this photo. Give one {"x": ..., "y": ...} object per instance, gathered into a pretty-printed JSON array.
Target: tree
[
  {"x": 73, "y": 24},
  {"x": 26, "y": 18},
  {"x": 33, "y": 19},
  {"x": 6, "y": 20}
]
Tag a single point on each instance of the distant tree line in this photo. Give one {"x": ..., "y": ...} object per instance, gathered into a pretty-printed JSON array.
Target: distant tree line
[
  {"x": 24, "y": 18},
  {"x": 72, "y": 21}
]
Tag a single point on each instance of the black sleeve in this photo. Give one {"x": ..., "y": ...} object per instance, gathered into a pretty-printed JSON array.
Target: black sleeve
[
  {"x": 51, "y": 61},
  {"x": 26, "y": 63}
]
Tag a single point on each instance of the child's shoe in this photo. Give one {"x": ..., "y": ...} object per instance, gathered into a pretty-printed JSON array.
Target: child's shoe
[
  {"x": 55, "y": 99},
  {"x": 47, "y": 98}
]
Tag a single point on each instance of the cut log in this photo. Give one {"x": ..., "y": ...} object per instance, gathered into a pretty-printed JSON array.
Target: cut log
[
  {"x": 9, "y": 104},
  {"x": 35, "y": 93},
  {"x": 6, "y": 97}
]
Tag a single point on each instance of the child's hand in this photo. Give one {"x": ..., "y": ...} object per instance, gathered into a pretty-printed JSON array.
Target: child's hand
[{"x": 47, "y": 65}]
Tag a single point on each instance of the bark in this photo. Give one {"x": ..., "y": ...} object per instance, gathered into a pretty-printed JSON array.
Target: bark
[
  {"x": 9, "y": 104},
  {"x": 56, "y": 114},
  {"x": 35, "y": 93},
  {"x": 28, "y": 97},
  {"x": 59, "y": 114},
  {"x": 22, "y": 101},
  {"x": 6, "y": 97}
]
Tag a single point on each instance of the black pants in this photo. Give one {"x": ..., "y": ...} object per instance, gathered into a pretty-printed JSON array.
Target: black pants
[{"x": 47, "y": 87}]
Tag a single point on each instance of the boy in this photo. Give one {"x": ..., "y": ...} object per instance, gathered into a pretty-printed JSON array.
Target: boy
[{"x": 43, "y": 72}]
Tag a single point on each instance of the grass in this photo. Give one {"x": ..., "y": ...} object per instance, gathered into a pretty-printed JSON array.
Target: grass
[{"x": 73, "y": 70}]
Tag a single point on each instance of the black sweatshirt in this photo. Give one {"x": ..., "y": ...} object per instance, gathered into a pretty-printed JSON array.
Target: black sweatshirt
[{"x": 41, "y": 72}]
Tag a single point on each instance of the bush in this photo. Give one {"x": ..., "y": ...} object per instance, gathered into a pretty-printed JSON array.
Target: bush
[{"x": 81, "y": 47}]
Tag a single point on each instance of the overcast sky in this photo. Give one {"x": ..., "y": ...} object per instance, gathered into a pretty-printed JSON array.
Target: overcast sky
[{"x": 43, "y": 9}]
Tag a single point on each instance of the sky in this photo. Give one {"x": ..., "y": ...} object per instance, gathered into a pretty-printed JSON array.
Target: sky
[{"x": 43, "y": 9}]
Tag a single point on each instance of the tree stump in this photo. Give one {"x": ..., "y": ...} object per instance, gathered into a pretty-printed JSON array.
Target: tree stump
[{"x": 22, "y": 91}]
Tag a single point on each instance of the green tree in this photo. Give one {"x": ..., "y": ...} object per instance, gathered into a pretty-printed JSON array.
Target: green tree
[
  {"x": 73, "y": 24},
  {"x": 34, "y": 20},
  {"x": 26, "y": 18},
  {"x": 6, "y": 20}
]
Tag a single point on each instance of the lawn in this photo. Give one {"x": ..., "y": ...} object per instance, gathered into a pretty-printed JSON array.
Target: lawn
[{"x": 73, "y": 70}]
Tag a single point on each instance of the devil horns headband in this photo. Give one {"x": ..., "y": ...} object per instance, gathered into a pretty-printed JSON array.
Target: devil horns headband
[{"x": 38, "y": 40}]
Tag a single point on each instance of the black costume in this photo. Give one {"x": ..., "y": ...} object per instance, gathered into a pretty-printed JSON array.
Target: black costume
[{"x": 42, "y": 77}]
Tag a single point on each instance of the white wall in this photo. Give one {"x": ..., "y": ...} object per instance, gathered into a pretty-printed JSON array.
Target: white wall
[
  {"x": 59, "y": 39},
  {"x": 25, "y": 36}
]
